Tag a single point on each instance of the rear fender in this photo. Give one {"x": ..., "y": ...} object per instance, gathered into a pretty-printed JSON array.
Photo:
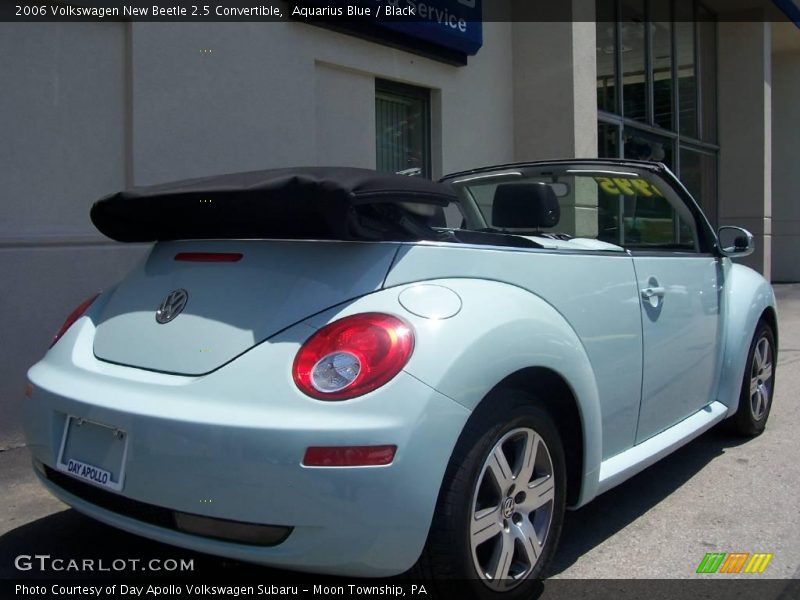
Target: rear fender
[{"x": 498, "y": 330}]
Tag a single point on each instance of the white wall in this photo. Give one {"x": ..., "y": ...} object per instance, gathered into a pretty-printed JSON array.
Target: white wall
[
  {"x": 63, "y": 112},
  {"x": 555, "y": 94},
  {"x": 88, "y": 109},
  {"x": 288, "y": 94},
  {"x": 62, "y": 117},
  {"x": 345, "y": 117},
  {"x": 785, "y": 182}
]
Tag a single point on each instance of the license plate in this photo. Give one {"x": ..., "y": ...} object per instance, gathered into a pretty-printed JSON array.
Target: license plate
[{"x": 93, "y": 452}]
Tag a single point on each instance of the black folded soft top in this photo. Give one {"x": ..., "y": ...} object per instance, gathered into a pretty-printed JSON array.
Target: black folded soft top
[{"x": 298, "y": 203}]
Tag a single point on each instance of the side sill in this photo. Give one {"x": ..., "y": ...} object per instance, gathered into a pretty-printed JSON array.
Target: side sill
[{"x": 624, "y": 465}]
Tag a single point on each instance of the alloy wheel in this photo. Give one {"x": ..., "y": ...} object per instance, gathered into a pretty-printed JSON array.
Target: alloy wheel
[
  {"x": 512, "y": 509},
  {"x": 761, "y": 378}
]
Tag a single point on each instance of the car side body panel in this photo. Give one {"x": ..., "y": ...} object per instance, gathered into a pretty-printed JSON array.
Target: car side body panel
[
  {"x": 682, "y": 336},
  {"x": 746, "y": 296},
  {"x": 593, "y": 295}
]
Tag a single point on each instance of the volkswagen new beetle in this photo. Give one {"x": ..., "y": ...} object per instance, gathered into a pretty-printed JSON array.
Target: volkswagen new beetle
[{"x": 348, "y": 372}]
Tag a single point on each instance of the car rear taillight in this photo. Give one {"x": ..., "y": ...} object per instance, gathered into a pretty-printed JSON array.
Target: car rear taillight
[
  {"x": 353, "y": 356},
  {"x": 73, "y": 316}
]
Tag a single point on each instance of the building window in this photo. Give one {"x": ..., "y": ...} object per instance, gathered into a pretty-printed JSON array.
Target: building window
[
  {"x": 402, "y": 129},
  {"x": 633, "y": 54},
  {"x": 699, "y": 175},
  {"x": 685, "y": 30},
  {"x": 608, "y": 142},
  {"x": 707, "y": 59},
  {"x": 661, "y": 40},
  {"x": 643, "y": 145},
  {"x": 656, "y": 88},
  {"x": 606, "y": 56}
]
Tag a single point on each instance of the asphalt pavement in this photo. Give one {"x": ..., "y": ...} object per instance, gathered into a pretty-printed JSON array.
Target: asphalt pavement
[{"x": 717, "y": 494}]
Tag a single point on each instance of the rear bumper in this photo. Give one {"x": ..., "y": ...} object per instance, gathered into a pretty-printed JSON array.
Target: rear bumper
[{"x": 229, "y": 445}]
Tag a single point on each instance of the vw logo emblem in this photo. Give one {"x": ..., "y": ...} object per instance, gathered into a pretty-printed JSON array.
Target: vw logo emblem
[
  {"x": 508, "y": 507},
  {"x": 172, "y": 306}
]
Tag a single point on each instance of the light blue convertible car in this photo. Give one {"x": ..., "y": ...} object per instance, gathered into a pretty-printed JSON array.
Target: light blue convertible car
[{"x": 347, "y": 372}]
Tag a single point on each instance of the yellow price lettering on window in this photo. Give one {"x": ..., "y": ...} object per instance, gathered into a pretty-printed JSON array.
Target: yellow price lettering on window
[{"x": 625, "y": 186}]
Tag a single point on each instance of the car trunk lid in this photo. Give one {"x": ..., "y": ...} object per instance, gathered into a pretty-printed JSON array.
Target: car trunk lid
[{"x": 233, "y": 303}]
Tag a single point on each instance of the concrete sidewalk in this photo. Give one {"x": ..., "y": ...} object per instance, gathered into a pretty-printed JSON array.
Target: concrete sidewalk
[{"x": 717, "y": 494}]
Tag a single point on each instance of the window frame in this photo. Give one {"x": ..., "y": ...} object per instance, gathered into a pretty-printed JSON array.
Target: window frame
[
  {"x": 707, "y": 242},
  {"x": 403, "y": 90},
  {"x": 618, "y": 113}
]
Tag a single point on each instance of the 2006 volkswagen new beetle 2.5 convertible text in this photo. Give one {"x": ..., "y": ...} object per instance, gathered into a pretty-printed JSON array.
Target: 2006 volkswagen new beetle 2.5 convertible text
[{"x": 348, "y": 372}]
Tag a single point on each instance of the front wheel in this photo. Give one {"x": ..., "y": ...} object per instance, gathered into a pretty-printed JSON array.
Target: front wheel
[
  {"x": 501, "y": 507},
  {"x": 758, "y": 384}
]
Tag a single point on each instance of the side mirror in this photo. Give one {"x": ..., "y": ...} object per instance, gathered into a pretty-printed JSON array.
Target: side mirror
[{"x": 735, "y": 241}]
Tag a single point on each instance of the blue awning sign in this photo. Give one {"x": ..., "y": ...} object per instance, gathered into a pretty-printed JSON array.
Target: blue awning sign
[
  {"x": 452, "y": 24},
  {"x": 791, "y": 8}
]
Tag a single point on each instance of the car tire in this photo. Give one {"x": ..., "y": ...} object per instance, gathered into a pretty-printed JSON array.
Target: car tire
[
  {"x": 758, "y": 384},
  {"x": 477, "y": 483}
]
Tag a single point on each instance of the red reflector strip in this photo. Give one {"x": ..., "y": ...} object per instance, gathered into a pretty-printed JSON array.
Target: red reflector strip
[
  {"x": 28, "y": 391},
  {"x": 209, "y": 256},
  {"x": 349, "y": 456}
]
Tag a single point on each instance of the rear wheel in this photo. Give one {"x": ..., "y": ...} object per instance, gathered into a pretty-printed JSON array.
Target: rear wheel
[
  {"x": 758, "y": 384},
  {"x": 501, "y": 507}
]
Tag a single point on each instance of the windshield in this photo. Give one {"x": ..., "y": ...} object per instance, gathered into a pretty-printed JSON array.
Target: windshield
[{"x": 624, "y": 207}]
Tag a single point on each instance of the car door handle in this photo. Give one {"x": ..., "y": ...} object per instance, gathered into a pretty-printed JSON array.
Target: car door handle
[{"x": 651, "y": 292}]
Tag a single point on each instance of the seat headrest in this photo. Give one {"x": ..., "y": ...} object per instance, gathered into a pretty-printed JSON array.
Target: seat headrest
[
  {"x": 438, "y": 219},
  {"x": 525, "y": 205}
]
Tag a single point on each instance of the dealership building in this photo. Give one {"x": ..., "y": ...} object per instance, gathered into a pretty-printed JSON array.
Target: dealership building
[{"x": 710, "y": 88}]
